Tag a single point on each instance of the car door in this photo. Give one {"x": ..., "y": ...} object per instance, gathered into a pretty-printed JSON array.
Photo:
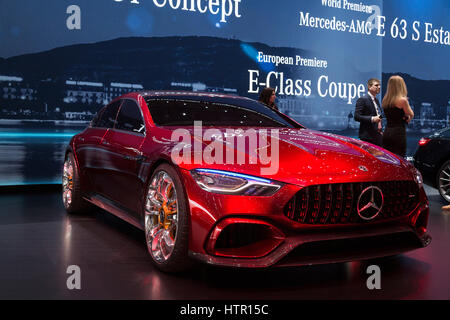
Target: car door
[
  {"x": 93, "y": 150},
  {"x": 444, "y": 146},
  {"x": 124, "y": 185}
]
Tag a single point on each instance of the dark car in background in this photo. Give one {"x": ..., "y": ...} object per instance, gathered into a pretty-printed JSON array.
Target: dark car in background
[{"x": 432, "y": 158}]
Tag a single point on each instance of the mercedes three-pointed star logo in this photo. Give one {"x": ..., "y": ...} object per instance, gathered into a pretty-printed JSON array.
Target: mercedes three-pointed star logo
[{"x": 370, "y": 203}]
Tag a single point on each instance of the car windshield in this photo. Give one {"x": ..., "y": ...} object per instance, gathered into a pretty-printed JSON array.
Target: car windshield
[{"x": 179, "y": 112}]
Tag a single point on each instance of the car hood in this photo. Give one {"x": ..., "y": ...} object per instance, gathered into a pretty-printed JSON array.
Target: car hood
[{"x": 304, "y": 157}]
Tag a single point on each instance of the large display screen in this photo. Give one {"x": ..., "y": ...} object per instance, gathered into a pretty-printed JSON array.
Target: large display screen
[{"x": 61, "y": 61}]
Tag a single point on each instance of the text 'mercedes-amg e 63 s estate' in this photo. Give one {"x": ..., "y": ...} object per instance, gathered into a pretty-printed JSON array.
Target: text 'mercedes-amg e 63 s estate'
[{"x": 228, "y": 181}]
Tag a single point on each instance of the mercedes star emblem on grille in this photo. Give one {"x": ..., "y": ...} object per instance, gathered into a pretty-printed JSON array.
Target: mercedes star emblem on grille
[{"x": 370, "y": 203}]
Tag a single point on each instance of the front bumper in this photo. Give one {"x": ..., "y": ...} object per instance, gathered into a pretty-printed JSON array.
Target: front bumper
[
  {"x": 294, "y": 244},
  {"x": 321, "y": 248}
]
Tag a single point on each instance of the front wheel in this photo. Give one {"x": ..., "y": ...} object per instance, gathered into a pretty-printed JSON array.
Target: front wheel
[
  {"x": 167, "y": 220},
  {"x": 443, "y": 181}
]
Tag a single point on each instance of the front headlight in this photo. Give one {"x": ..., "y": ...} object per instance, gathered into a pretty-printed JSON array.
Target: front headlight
[
  {"x": 226, "y": 182},
  {"x": 418, "y": 177}
]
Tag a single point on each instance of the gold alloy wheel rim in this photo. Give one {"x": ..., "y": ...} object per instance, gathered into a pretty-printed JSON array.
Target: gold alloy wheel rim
[
  {"x": 161, "y": 217},
  {"x": 67, "y": 182},
  {"x": 444, "y": 183}
]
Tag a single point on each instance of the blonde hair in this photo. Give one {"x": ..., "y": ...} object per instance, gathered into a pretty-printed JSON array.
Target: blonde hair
[{"x": 396, "y": 89}]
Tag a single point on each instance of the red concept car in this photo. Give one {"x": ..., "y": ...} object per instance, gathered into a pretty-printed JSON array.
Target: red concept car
[{"x": 228, "y": 181}]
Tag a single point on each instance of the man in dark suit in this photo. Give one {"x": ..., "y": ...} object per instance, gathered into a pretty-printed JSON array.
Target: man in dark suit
[{"x": 368, "y": 113}]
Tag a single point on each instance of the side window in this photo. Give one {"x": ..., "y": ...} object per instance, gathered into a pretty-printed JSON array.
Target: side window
[
  {"x": 130, "y": 118},
  {"x": 108, "y": 117},
  {"x": 95, "y": 120}
]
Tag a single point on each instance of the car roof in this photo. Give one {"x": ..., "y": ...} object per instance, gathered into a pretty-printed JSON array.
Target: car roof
[{"x": 190, "y": 95}]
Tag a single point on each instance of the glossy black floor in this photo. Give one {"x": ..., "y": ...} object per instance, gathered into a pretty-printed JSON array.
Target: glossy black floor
[{"x": 39, "y": 241}]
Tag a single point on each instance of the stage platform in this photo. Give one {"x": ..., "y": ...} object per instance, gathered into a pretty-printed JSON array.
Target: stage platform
[{"x": 39, "y": 241}]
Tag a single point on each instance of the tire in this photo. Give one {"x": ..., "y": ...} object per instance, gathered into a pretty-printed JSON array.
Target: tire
[
  {"x": 166, "y": 220},
  {"x": 71, "y": 188},
  {"x": 443, "y": 181}
]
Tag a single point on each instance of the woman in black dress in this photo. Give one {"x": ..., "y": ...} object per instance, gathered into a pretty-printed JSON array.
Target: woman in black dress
[
  {"x": 398, "y": 113},
  {"x": 267, "y": 96}
]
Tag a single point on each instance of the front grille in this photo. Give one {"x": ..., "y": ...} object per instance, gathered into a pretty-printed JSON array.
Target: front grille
[{"x": 337, "y": 203}]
